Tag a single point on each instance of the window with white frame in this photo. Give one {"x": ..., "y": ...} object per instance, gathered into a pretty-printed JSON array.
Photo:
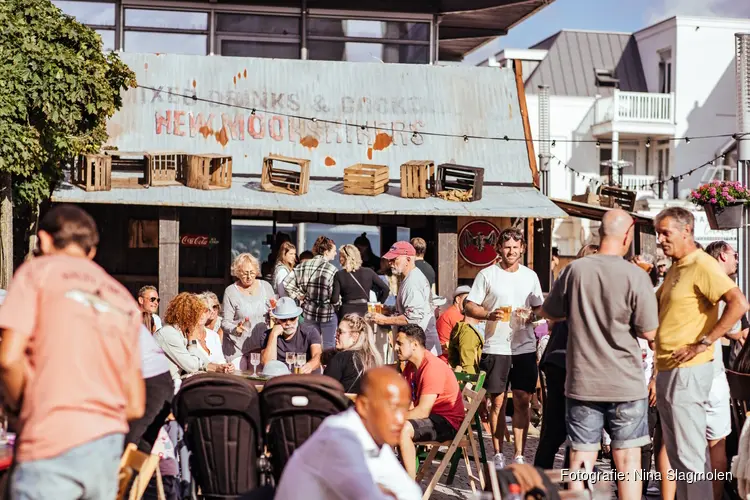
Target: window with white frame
[
  {"x": 258, "y": 35},
  {"x": 166, "y": 31},
  {"x": 367, "y": 40},
  {"x": 665, "y": 71}
]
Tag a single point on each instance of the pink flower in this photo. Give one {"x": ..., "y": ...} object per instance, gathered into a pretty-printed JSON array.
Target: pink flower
[
  {"x": 713, "y": 201},
  {"x": 730, "y": 198},
  {"x": 712, "y": 191}
]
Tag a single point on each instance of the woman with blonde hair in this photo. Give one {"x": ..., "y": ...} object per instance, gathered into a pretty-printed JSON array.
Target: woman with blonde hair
[
  {"x": 182, "y": 336},
  {"x": 214, "y": 320},
  {"x": 356, "y": 354},
  {"x": 212, "y": 345},
  {"x": 353, "y": 283},
  {"x": 246, "y": 302},
  {"x": 286, "y": 259}
]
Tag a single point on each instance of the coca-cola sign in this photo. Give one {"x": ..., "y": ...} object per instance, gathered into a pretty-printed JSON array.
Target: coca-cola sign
[{"x": 198, "y": 240}]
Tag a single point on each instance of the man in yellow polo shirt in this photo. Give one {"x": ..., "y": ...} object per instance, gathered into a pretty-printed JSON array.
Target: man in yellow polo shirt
[{"x": 689, "y": 324}]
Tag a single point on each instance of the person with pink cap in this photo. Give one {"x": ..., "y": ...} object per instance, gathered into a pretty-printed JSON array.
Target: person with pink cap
[{"x": 413, "y": 302}]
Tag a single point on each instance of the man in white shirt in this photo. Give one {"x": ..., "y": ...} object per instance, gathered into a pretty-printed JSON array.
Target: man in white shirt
[
  {"x": 505, "y": 294},
  {"x": 350, "y": 456},
  {"x": 414, "y": 299},
  {"x": 148, "y": 301}
]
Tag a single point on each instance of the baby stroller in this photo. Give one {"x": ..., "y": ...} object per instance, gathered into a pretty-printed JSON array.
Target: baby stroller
[
  {"x": 293, "y": 406},
  {"x": 221, "y": 417}
]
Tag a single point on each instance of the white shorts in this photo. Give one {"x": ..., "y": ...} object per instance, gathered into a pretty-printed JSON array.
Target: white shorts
[{"x": 718, "y": 413}]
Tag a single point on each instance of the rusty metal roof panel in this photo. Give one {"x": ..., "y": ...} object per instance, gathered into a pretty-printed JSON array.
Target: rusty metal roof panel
[{"x": 323, "y": 197}]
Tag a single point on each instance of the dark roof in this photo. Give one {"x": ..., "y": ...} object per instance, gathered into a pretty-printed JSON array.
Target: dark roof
[
  {"x": 574, "y": 57},
  {"x": 464, "y": 24}
]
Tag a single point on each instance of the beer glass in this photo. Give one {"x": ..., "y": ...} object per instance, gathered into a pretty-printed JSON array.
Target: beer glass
[{"x": 505, "y": 313}]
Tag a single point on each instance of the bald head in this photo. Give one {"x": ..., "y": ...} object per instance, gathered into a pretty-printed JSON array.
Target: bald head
[
  {"x": 616, "y": 222},
  {"x": 378, "y": 382},
  {"x": 383, "y": 403}
]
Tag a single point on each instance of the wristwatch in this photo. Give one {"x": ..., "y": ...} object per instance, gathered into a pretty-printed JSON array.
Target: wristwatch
[
  {"x": 705, "y": 342},
  {"x": 194, "y": 343}
]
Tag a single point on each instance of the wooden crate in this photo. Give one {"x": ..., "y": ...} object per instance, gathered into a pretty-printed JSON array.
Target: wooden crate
[
  {"x": 366, "y": 179},
  {"x": 93, "y": 172},
  {"x": 209, "y": 171},
  {"x": 460, "y": 178},
  {"x": 617, "y": 198},
  {"x": 166, "y": 169},
  {"x": 282, "y": 180},
  {"x": 417, "y": 179},
  {"x": 129, "y": 169}
]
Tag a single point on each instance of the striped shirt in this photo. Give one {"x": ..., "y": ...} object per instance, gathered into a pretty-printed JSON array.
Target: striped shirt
[{"x": 313, "y": 279}]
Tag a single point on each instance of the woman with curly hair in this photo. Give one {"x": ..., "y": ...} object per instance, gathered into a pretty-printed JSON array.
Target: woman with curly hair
[
  {"x": 356, "y": 354},
  {"x": 181, "y": 338}
]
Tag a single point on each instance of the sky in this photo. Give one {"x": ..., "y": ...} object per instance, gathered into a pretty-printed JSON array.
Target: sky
[{"x": 605, "y": 15}]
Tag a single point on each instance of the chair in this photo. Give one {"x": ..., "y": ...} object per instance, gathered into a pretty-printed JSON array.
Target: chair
[
  {"x": 478, "y": 382},
  {"x": 739, "y": 393},
  {"x": 136, "y": 469},
  {"x": 464, "y": 436}
]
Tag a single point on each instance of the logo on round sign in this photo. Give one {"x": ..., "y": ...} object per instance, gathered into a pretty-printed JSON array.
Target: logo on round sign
[{"x": 477, "y": 241}]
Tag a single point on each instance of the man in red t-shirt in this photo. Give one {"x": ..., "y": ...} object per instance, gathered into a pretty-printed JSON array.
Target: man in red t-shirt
[
  {"x": 437, "y": 408},
  {"x": 449, "y": 318}
]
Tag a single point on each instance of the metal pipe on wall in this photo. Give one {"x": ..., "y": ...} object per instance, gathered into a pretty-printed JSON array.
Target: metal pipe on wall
[{"x": 743, "y": 151}]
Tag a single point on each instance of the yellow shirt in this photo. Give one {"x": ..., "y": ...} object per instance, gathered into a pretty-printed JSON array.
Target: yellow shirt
[{"x": 689, "y": 307}]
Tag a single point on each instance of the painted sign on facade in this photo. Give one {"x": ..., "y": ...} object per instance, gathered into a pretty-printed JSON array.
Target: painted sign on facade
[
  {"x": 477, "y": 242},
  {"x": 335, "y": 114}
]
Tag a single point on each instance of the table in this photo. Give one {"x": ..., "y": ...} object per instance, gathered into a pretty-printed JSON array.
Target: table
[{"x": 261, "y": 381}]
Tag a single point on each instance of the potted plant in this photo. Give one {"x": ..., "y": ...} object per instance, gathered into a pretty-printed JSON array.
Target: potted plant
[{"x": 723, "y": 202}]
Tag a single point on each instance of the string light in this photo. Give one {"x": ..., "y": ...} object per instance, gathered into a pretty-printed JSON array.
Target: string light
[
  {"x": 254, "y": 111},
  {"x": 553, "y": 143},
  {"x": 687, "y": 140},
  {"x": 466, "y": 138},
  {"x": 648, "y": 142}
]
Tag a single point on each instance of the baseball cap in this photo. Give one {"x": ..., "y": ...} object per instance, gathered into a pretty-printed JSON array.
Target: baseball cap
[
  {"x": 400, "y": 248},
  {"x": 462, "y": 290}
]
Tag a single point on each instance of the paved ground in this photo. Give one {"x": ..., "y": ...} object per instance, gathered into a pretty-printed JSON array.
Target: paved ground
[{"x": 460, "y": 487}]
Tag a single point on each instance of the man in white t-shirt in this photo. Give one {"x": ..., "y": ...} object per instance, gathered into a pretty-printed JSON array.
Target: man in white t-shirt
[
  {"x": 414, "y": 299},
  {"x": 509, "y": 353}
]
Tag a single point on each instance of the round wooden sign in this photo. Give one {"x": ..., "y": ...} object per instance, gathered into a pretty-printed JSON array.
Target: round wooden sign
[{"x": 477, "y": 241}]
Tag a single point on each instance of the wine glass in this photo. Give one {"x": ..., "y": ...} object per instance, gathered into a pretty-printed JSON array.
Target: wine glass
[
  {"x": 255, "y": 361},
  {"x": 301, "y": 360},
  {"x": 291, "y": 358}
]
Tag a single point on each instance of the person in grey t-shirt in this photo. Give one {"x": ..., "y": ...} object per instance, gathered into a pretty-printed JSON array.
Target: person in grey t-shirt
[{"x": 608, "y": 302}]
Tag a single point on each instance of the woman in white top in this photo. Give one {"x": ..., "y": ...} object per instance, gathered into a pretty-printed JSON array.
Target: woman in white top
[
  {"x": 212, "y": 345},
  {"x": 246, "y": 304},
  {"x": 286, "y": 259}
]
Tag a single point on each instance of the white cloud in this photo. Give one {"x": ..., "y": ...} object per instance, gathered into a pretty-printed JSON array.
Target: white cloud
[{"x": 709, "y": 8}]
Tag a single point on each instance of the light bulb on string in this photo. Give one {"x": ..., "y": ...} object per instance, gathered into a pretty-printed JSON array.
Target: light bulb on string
[
  {"x": 505, "y": 137},
  {"x": 648, "y": 143},
  {"x": 314, "y": 119},
  {"x": 252, "y": 112},
  {"x": 553, "y": 144},
  {"x": 598, "y": 144},
  {"x": 687, "y": 140},
  {"x": 466, "y": 138}
]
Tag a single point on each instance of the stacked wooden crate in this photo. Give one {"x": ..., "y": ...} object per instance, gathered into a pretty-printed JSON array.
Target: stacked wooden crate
[
  {"x": 365, "y": 179},
  {"x": 417, "y": 179},
  {"x": 461, "y": 182},
  {"x": 284, "y": 180},
  {"x": 92, "y": 172},
  {"x": 209, "y": 171}
]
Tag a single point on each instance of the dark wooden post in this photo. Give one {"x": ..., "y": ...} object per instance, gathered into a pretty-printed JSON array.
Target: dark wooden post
[
  {"x": 447, "y": 256},
  {"x": 542, "y": 251},
  {"x": 169, "y": 255}
]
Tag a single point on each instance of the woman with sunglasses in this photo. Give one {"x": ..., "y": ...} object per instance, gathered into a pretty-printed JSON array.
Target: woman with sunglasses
[
  {"x": 356, "y": 353},
  {"x": 212, "y": 343}
]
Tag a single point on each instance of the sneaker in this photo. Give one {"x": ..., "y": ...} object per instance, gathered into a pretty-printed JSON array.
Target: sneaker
[
  {"x": 499, "y": 460},
  {"x": 519, "y": 460}
]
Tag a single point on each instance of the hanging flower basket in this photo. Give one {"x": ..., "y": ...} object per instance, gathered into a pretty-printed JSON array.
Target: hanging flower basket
[
  {"x": 723, "y": 202},
  {"x": 729, "y": 217}
]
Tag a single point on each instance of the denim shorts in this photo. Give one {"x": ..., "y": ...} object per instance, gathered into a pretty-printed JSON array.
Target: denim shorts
[
  {"x": 626, "y": 421},
  {"x": 86, "y": 472}
]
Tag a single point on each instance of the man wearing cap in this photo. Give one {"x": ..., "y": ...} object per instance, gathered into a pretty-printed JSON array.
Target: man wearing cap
[
  {"x": 413, "y": 302},
  {"x": 287, "y": 335},
  {"x": 449, "y": 318}
]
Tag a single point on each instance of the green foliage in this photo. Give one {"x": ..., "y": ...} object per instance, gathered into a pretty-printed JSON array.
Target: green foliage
[{"x": 57, "y": 90}]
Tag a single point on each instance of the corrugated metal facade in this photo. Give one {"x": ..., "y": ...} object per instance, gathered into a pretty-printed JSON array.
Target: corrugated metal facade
[{"x": 573, "y": 57}]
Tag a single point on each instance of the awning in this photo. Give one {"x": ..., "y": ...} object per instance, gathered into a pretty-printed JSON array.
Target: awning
[
  {"x": 324, "y": 197},
  {"x": 594, "y": 212}
]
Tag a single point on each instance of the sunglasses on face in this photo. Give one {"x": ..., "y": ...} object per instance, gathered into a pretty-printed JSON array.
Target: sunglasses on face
[
  {"x": 154, "y": 299},
  {"x": 514, "y": 235},
  {"x": 286, "y": 320},
  {"x": 215, "y": 307}
]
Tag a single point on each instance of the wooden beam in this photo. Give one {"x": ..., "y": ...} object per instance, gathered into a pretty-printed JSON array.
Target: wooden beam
[
  {"x": 169, "y": 256},
  {"x": 530, "y": 241},
  {"x": 521, "y": 90},
  {"x": 447, "y": 256}
]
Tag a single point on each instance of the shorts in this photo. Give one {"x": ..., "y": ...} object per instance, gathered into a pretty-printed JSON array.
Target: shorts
[
  {"x": 497, "y": 368},
  {"x": 718, "y": 413},
  {"x": 627, "y": 423},
  {"x": 433, "y": 428},
  {"x": 524, "y": 372}
]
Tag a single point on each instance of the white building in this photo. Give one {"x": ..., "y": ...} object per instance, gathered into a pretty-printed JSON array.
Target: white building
[{"x": 645, "y": 91}]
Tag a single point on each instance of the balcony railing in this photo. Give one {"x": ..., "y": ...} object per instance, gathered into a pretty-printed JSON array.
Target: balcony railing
[
  {"x": 641, "y": 107},
  {"x": 635, "y": 182}
]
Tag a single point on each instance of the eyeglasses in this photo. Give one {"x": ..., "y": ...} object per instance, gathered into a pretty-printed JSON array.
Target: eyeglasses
[
  {"x": 514, "y": 235},
  {"x": 154, "y": 299},
  {"x": 625, "y": 240},
  {"x": 285, "y": 320},
  {"x": 215, "y": 307}
]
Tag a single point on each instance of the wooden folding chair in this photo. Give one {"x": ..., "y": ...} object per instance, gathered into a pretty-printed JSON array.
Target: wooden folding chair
[
  {"x": 478, "y": 382},
  {"x": 464, "y": 436},
  {"x": 136, "y": 470}
]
